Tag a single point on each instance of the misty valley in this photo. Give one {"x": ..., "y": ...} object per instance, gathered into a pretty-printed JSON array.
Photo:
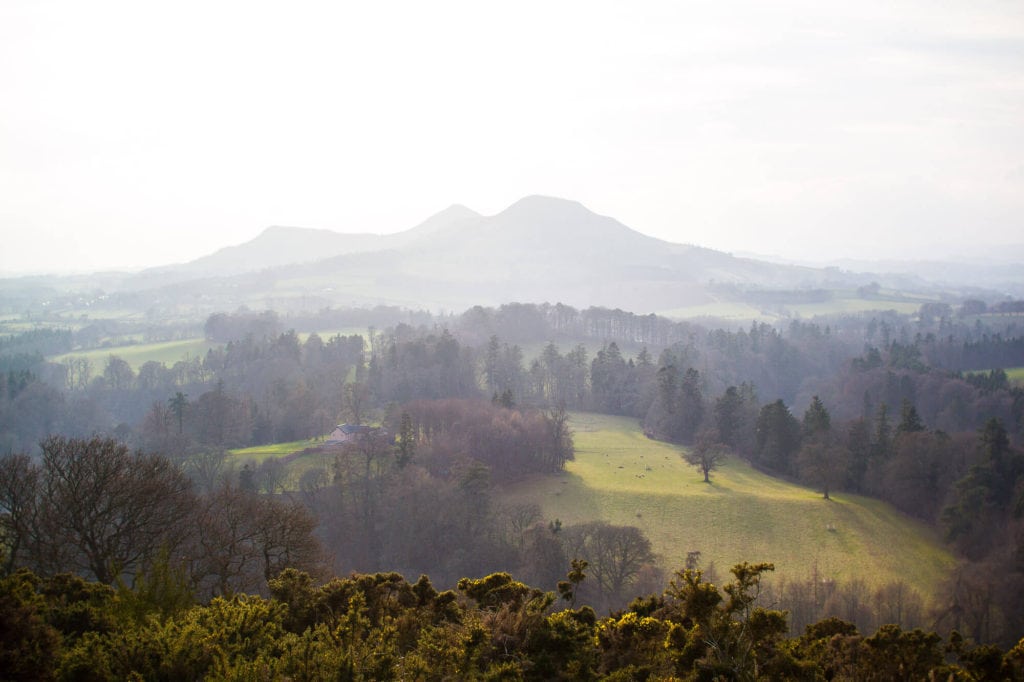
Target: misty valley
[
  {"x": 546, "y": 464},
  {"x": 318, "y": 456},
  {"x": 639, "y": 342}
]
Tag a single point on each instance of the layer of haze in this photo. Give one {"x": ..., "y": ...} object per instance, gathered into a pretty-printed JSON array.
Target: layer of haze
[{"x": 136, "y": 133}]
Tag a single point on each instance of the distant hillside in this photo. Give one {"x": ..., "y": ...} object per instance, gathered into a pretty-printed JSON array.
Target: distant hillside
[
  {"x": 279, "y": 246},
  {"x": 538, "y": 249}
]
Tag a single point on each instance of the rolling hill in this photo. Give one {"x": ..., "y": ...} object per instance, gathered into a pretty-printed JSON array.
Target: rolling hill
[{"x": 622, "y": 477}]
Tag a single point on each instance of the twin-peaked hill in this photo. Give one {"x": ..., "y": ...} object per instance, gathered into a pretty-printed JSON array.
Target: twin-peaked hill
[{"x": 538, "y": 249}]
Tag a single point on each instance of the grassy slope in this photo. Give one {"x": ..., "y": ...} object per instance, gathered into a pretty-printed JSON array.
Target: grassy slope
[
  {"x": 1016, "y": 375},
  {"x": 258, "y": 453},
  {"x": 622, "y": 477},
  {"x": 298, "y": 466},
  {"x": 167, "y": 352}
]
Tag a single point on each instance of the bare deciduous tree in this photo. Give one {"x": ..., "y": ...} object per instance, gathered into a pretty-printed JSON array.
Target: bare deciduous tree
[
  {"x": 19, "y": 482},
  {"x": 707, "y": 454},
  {"x": 94, "y": 507},
  {"x": 243, "y": 539}
]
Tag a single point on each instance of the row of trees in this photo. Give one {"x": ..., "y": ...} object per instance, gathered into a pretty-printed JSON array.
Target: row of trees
[{"x": 294, "y": 389}]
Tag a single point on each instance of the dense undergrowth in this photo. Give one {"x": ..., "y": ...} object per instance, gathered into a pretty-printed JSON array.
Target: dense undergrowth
[{"x": 380, "y": 627}]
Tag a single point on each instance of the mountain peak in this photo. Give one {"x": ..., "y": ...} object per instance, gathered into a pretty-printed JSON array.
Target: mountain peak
[
  {"x": 549, "y": 220},
  {"x": 539, "y": 204},
  {"x": 458, "y": 211},
  {"x": 453, "y": 216}
]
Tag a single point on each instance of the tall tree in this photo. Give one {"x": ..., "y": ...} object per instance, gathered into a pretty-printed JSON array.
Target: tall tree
[
  {"x": 817, "y": 420},
  {"x": 19, "y": 490},
  {"x": 910, "y": 420},
  {"x": 118, "y": 374},
  {"x": 858, "y": 445},
  {"x": 691, "y": 406},
  {"x": 102, "y": 510},
  {"x": 706, "y": 454},
  {"x": 406, "y": 446},
  {"x": 735, "y": 415},
  {"x": 179, "y": 405},
  {"x": 822, "y": 459},
  {"x": 778, "y": 436},
  {"x": 615, "y": 556},
  {"x": 607, "y": 379},
  {"x": 988, "y": 494}
]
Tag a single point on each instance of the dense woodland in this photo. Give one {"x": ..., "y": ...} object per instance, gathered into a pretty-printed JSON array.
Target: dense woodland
[{"x": 915, "y": 410}]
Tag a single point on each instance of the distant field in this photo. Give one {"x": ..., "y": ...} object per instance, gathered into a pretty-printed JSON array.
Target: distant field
[
  {"x": 622, "y": 477},
  {"x": 258, "y": 453},
  {"x": 167, "y": 352},
  {"x": 841, "y": 303},
  {"x": 297, "y": 467},
  {"x": 1016, "y": 375},
  {"x": 170, "y": 352}
]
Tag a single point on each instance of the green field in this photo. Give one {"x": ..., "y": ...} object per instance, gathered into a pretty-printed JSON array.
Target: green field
[
  {"x": 848, "y": 305},
  {"x": 842, "y": 302},
  {"x": 622, "y": 477},
  {"x": 1016, "y": 375},
  {"x": 258, "y": 453},
  {"x": 298, "y": 466},
  {"x": 167, "y": 352}
]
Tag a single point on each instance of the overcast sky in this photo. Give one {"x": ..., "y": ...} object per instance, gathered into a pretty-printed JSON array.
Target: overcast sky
[{"x": 142, "y": 133}]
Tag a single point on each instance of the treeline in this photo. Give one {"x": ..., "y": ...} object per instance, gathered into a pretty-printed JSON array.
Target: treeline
[
  {"x": 382, "y": 627},
  {"x": 292, "y": 389},
  {"x": 42, "y": 341},
  {"x": 279, "y": 389}
]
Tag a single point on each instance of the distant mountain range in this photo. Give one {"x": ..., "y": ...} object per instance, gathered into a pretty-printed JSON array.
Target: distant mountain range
[{"x": 538, "y": 249}]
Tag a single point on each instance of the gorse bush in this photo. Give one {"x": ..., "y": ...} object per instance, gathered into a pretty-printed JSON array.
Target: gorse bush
[{"x": 382, "y": 627}]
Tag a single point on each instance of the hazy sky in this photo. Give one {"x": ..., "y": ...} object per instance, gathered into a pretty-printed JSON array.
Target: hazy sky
[{"x": 140, "y": 133}]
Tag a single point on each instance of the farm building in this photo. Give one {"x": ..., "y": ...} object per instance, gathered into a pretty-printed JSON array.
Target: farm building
[{"x": 346, "y": 433}]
